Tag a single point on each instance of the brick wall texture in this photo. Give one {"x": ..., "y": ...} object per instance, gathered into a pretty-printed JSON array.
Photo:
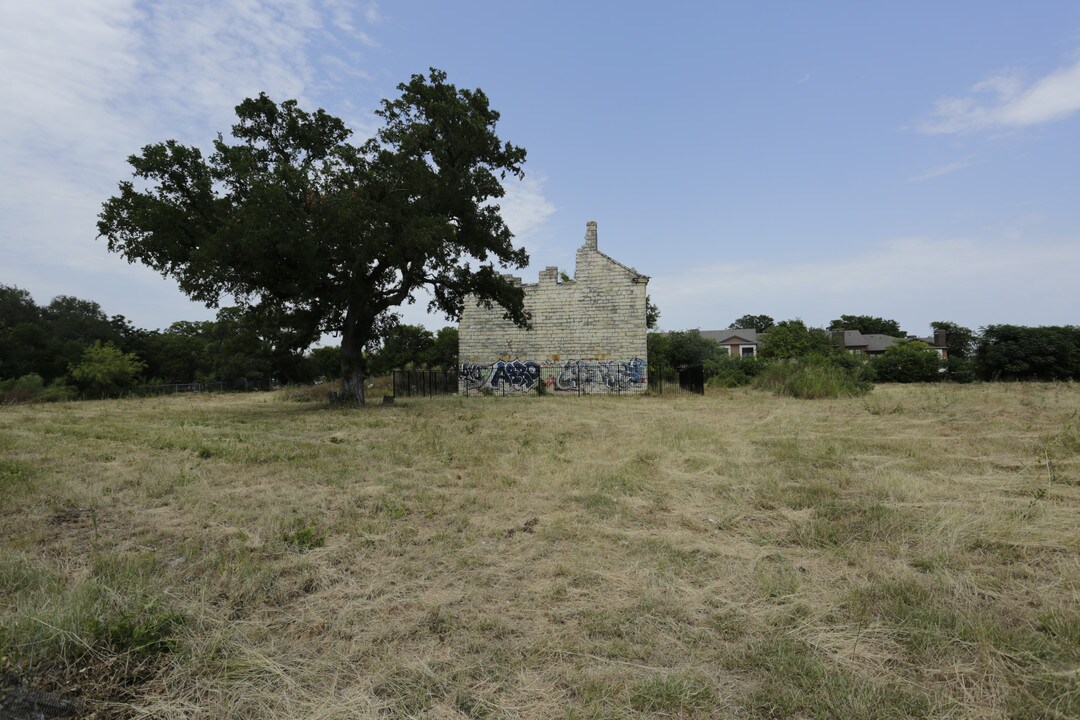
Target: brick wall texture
[{"x": 596, "y": 319}]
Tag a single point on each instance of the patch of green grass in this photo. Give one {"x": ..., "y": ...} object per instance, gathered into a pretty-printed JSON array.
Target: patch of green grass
[
  {"x": 140, "y": 631},
  {"x": 304, "y": 537},
  {"x": 116, "y": 610},
  {"x": 389, "y": 507},
  {"x": 934, "y": 621},
  {"x": 683, "y": 694},
  {"x": 16, "y": 476},
  {"x": 792, "y": 681},
  {"x": 776, "y": 577},
  {"x": 840, "y": 522},
  {"x": 601, "y": 505}
]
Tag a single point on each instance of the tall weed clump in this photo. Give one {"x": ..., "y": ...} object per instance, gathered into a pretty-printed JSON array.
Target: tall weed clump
[
  {"x": 32, "y": 388},
  {"x": 814, "y": 377},
  {"x": 730, "y": 372}
]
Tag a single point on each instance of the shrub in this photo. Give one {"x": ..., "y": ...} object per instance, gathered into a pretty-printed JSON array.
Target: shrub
[
  {"x": 21, "y": 389},
  {"x": 960, "y": 370},
  {"x": 813, "y": 377},
  {"x": 31, "y": 388},
  {"x": 105, "y": 370},
  {"x": 732, "y": 371},
  {"x": 907, "y": 362}
]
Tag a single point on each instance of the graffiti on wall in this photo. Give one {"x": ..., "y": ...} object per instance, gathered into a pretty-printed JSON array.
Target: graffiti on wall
[
  {"x": 473, "y": 375},
  {"x": 517, "y": 375},
  {"x": 576, "y": 376}
]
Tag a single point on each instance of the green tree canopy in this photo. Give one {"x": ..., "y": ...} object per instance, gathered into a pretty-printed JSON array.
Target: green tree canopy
[
  {"x": 652, "y": 314},
  {"x": 682, "y": 348},
  {"x": 444, "y": 351},
  {"x": 907, "y": 362},
  {"x": 17, "y": 307},
  {"x": 867, "y": 325},
  {"x": 761, "y": 323},
  {"x": 314, "y": 234},
  {"x": 105, "y": 370},
  {"x": 1012, "y": 352},
  {"x": 402, "y": 345},
  {"x": 326, "y": 362},
  {"x": 793, "y": 339},
  {"x": 48, "y": 340},
  {"x": 959, "y": 339}
]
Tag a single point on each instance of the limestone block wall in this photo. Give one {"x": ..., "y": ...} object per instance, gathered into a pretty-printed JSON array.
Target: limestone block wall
[{"x": 590, "y": 329}]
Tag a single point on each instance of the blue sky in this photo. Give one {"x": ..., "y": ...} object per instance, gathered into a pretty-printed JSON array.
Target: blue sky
[{"x": 913, "y": 160}]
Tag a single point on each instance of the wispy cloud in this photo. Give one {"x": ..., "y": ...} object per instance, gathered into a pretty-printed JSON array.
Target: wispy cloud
[
  {"x": 939, "y": 170},
  {"x": 525, "y": 208},
  {"x": 372, "y": 14},
  {"x": 915, "y": 280},
  {"x": 1005, "y": 101},
  {"x": 88, "y": 84}
]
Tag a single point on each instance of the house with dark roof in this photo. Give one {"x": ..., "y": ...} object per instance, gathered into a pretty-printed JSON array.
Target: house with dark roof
[
  {"x": 857, "y": 343},
  {"x": 739, "y": 342}
]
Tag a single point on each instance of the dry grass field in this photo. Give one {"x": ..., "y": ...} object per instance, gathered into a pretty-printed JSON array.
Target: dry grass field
[{"x": 912, "y": 553}]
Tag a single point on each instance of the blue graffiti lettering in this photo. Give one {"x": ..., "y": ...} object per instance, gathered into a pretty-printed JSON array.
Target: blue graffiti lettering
[
  {"x": 517, "y": 374},
  {"x": 601, "y": 375}
]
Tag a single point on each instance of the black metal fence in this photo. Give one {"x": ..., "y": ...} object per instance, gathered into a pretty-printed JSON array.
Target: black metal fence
[
  {"x": 667, "y": 380},
  {"x": 425, "y": 383},
  {"x": 205, "y": 387},
  {"x": 177, "y": 388},
  {"x": 576, "y": 377}
]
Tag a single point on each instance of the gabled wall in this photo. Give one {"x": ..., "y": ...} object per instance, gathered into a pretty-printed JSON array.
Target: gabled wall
[{"x": 596, "y": 320}]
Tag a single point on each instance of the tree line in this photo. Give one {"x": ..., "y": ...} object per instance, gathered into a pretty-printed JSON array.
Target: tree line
[
  {"x": 994, "y": 352},
  {"x": 71, "y": 348}
]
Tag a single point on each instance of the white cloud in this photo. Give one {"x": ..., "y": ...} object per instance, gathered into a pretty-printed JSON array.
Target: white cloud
[
  {"x": 1003, "y": 101},
  {"x": 914, "y": 280},
  {"x": 87, "y": 84},
  {"x": 525, "y": 209}
]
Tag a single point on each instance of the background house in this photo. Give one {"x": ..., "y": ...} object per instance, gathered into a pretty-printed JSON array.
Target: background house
[
  {"x": 739, "y": 342},
  {"x": 856, "y": 343}
]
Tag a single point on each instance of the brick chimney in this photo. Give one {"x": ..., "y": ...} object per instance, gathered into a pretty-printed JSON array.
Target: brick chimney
[{"x": 590, "y": 234}]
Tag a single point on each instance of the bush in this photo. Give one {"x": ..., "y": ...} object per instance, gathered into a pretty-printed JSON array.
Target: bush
[
  {"x": 907, "y": 362},
  {"x": 732, "y": 372},
  {"x": 106, "y": 371},
  {"x": 960, "y": 370},
  {"x": 812, "y": 378},
  {"x": 793, "y": 339},
  {"x": 21, "y": 389}
]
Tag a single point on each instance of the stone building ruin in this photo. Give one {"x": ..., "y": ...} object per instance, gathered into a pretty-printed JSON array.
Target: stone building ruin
[{"x": 588, "y": 333}]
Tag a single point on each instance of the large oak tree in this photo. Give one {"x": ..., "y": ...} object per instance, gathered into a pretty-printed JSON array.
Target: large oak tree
[{"x": 313, "y": 234}]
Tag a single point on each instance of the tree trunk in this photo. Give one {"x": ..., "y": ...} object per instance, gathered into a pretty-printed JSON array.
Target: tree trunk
[{"x": 353, "y": 362}]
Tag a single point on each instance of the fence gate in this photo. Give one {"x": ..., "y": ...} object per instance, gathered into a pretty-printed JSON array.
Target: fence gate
[{"x": 692, "y": 379}]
